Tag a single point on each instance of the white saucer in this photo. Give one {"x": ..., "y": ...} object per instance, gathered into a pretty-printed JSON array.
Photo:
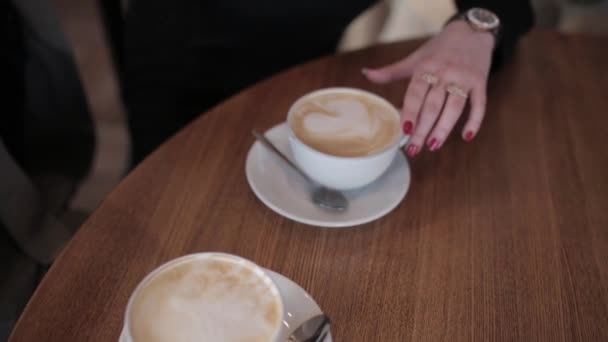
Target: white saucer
[
  {"x": 300, "y": 305},
  {"x": 298, "y": 302},
  {"x": 285, "y": 192}
]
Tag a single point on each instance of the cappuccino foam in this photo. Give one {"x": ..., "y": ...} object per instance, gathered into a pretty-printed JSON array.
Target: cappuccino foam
[
  {"x": 206, "y": 299},
  {"x": 345, "y": 124}
]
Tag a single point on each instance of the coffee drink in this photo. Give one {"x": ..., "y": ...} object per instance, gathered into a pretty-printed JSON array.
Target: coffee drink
[
  {"x": 214, "y": 297},
  {"x": 345, "y": 123},
  {"x": 344, "y": 138}
]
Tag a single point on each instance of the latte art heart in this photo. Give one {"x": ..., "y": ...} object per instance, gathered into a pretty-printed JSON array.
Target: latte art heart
[
  {"x": 345, "y": 124},
  {"x": 341, "y": 118}
]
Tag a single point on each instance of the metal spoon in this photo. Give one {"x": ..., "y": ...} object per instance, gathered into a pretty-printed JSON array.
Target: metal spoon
[
  {"x": 322, "y": 196},
  {"x": 315, "y": 329}
]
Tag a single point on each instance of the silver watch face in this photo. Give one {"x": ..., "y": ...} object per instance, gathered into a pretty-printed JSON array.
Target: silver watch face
[{"x": 483, "y": 19}]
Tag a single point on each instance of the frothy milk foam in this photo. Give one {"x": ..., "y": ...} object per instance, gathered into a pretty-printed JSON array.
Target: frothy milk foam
[
  {"x": 345, "y": 124},
  {"x": 206, "y": 299}
]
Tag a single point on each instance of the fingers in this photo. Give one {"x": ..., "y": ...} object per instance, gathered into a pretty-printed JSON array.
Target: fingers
[
  {"x": 478, "y": 109},
  {"x": 430, "y": 112},
  {"x": 452, "y": 110},
  {"x": 442, "y": 108},
  {"x": 392, "y": 72},
  {"x": 412, "y": 102}
]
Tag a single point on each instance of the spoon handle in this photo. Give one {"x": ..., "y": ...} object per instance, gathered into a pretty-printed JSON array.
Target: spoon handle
[
  {"x": 314, "y": 329},
  {"x": 262, "y": 139}
]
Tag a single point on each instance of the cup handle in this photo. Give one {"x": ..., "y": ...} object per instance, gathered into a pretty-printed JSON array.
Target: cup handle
[{"x": 404, "y": 140}]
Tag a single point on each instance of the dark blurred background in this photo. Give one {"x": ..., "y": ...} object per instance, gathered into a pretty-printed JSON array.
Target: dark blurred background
[
  {"x": 92, "y": 35},
  {"x": 88, "y": 24}
]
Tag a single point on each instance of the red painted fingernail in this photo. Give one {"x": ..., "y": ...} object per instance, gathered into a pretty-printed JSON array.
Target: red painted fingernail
[
  {"x": 468, "y": 136},
  {"x": 435, "y": 144},
  {"x": 416, "y": 150},
  {"x": 431, "y": 143},
  {"x": 412, "y": 150},
  {"x": 407, "y": 127}
]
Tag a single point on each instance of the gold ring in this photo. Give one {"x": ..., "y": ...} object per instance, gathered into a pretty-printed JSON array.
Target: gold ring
[
  {"x": 456, "y": 90},
  {"x": 429, "y": 78}
]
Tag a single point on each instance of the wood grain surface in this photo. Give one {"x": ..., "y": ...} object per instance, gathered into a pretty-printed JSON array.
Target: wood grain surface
[{"x": 504, "y": 238}]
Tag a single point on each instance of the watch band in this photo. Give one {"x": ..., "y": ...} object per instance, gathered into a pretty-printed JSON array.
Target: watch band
[{"x": 496, "y": 32}]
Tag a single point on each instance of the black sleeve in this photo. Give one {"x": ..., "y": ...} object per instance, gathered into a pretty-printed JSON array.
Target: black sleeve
[{"x": 516, "y": 16}]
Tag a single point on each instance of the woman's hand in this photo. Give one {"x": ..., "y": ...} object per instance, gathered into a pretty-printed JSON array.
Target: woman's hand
[{"x": 445, "y": 71}]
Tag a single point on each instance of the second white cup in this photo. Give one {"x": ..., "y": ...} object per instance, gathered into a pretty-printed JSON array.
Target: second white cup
[{"x": 205, "y": 297}]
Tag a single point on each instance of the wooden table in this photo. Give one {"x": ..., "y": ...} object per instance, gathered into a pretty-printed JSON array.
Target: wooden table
[{"x": 505, "y": 238}]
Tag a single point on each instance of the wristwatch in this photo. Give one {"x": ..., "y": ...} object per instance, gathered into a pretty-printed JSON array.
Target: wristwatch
[{"x": 480, "y": 19}]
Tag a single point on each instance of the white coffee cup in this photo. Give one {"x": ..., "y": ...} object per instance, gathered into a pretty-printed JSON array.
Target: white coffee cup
[
  {"x": 344, "y": 172},
  {"x": 203, "y": 296}
]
